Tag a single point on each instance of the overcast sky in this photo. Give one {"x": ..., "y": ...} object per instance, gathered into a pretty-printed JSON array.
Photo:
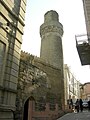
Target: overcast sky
[{"x": 71, "y": 15}]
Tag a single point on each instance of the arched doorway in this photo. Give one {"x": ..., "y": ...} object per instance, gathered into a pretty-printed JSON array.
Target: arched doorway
[{"x": 25, "y": 114}]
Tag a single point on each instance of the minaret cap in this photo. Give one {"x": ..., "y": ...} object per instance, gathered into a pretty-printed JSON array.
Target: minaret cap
[{"x": 51, "y": 16}]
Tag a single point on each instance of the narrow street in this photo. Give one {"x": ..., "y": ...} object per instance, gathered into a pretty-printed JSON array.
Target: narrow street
[{"x": 85, "y": 115}]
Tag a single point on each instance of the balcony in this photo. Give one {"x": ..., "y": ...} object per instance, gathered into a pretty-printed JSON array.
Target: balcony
[{"x": 83, "y": 48}]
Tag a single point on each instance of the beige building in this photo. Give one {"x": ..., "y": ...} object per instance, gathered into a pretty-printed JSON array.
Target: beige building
[
  {"x": 85, "y": 91},
  {"x": 71, "y": 85},
  {"x": 12, "y": 16}
]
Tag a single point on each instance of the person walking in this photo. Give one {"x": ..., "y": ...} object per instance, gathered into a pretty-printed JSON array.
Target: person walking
[
  {"x": 77, "y": 105},
  {"x": 81, "y": 105},
  {"x": 71, "y": 104}
]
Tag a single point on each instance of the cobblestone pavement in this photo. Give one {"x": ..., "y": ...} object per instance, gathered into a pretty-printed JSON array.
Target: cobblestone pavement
[{"x": 85, "y": 115}]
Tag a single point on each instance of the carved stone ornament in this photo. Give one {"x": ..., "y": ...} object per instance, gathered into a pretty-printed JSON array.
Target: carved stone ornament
[{"x": 50, "y": 28}]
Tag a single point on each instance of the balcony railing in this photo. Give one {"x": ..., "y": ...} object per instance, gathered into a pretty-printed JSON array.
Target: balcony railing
[
  {"x": 81, "y": 39},
  {"x": 83, "y": 48}
]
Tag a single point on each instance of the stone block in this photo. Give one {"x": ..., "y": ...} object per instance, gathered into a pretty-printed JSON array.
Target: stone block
[
  {"x": 16, "y": 60},
  {"x": 6, "y": 115},
  {"x": 14, "y": 72},
  {"x": 15, "y": 66}
]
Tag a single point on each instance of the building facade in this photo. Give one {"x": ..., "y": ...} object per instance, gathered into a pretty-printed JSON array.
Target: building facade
[
  {"x": 32, "y": 82},
  {"x": 85, "y": 91},
  {"x": 41, "y": 81},
  {"x": 12, "y": 16},
  {"x": 71, "y": 86}
]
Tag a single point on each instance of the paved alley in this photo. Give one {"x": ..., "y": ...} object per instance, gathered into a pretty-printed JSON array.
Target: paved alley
[{"x": 85, "y": 115}]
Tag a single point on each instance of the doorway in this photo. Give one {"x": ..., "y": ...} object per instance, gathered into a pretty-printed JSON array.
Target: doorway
[{"x": 25, "y": 115}]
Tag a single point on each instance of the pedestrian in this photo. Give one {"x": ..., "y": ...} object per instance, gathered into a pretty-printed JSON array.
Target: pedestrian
[
  {"x": 81, "y": 105},
  {"x": 89, "y": 105},
  {"x": 71, "y": 104},
  {"x": 77, "y": 105}
]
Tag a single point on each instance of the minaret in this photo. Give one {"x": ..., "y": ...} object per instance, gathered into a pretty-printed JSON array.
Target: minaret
[{"x": 51, "y": 32}]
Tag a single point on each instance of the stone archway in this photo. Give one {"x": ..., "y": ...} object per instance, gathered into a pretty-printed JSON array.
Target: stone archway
[
  {"x": 26, "y": 107},
  {"x": 25, "y": 114}
]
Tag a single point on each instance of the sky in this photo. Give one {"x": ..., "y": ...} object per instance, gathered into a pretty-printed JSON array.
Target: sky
[{"x": 71, "y": 16}]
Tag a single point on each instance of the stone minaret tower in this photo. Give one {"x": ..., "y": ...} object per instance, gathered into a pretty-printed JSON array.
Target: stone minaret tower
[{"x": 51, "y": 32}]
